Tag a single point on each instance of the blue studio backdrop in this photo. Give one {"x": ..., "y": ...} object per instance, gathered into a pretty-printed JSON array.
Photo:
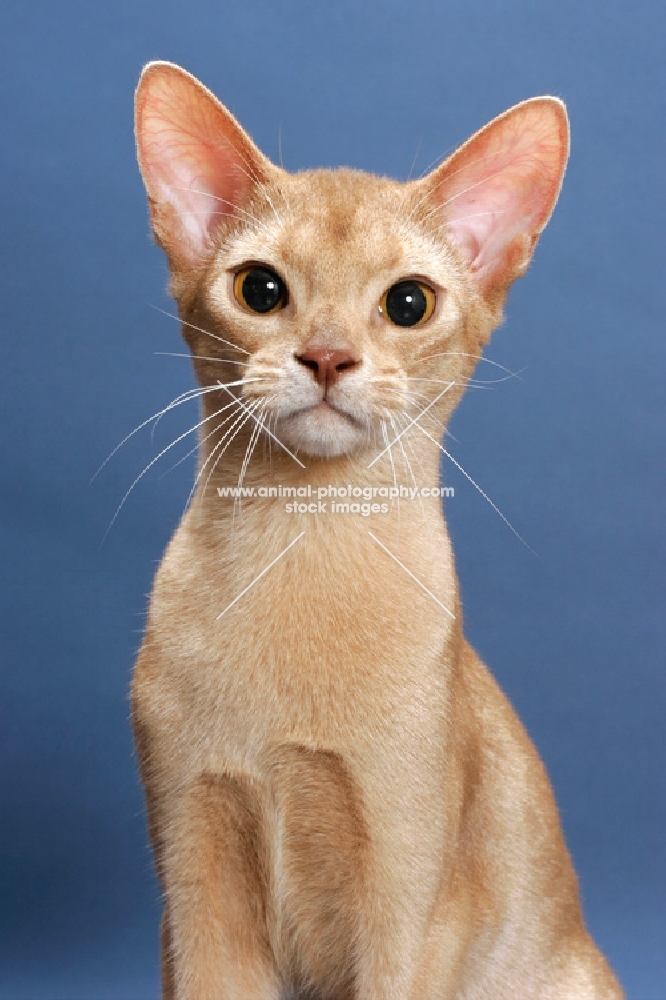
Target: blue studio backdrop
[{"x": 571, "y": 451}]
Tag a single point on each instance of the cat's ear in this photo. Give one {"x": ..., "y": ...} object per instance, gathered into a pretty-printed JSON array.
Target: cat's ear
[
  {"x": 497, "y": 191},
  {"x": 199, "y": 166}
]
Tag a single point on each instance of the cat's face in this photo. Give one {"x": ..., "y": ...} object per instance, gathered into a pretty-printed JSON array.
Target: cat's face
[
  {"x": 357, "y": 297},
  {"x": 348, "y": 302}
]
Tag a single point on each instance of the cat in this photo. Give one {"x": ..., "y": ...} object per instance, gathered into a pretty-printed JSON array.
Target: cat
[{"x": 342, "y": 803}]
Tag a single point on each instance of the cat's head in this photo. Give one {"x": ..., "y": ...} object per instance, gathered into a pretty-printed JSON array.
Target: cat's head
[{"x": 342, "y": 301}]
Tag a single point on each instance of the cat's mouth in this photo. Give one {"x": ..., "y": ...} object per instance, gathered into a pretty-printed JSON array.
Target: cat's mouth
[
  {"x": 322, "y": 429},
  {"x": 324, "y": 408}
]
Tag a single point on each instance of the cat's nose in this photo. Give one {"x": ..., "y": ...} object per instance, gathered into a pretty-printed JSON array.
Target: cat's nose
[{"x": 327, "y": 364}]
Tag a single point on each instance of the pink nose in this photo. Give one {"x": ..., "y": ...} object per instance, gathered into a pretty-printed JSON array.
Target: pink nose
[{"x": 328, "y": 364}]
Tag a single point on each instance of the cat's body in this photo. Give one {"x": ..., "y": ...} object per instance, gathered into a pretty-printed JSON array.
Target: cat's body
[{"x": 341, "y": 801}]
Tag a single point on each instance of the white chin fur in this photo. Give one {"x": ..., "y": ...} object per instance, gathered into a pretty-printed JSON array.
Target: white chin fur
[{"x": 322, "y": 433}]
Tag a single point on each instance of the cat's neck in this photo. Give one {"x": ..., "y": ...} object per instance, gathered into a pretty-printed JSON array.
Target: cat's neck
[
  {"x": 345, "y": 514},
  {"x": 378, "y": 474}
]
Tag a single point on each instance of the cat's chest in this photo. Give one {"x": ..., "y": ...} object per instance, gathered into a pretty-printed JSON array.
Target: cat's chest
[{"x": 312, "y": 639}]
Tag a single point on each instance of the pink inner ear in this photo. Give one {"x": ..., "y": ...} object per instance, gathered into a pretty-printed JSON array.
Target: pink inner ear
[
  {"x": 193, "y": 155},
  {"x": 503, "y": 184}
]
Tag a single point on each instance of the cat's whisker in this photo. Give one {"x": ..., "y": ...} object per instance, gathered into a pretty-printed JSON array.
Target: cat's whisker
[
  {"x": 254, "y": 437},
  {"x": 409, "y": 467},
  {"x": 184, "y": 397},
  {"x": 407, "y": 394},
  {"x": 199, "y": 443},
  {"x": 423, "y": 411},
  {"x": 244, "y": 420},
  {"x": 474, "y": 383},
  {"x": 441, "y": 425},
  {"x": 393, "y": 470},
  {"x": 404, "y": 393},
  {"x": 282, "y": 445},
  {"x": 286, "y": 203},
  {"x": 280, "y": 145},
  {"x": 201, "y": 357},
  {"x": 251, "y": 171},
  {"x": 201, "y": 330},
  {"x": 257, "y": 182},
  {"x": 435, "y": 163},
  {"x": 410, "y": 400},
  {"x": 477, "y": 487},
  {"x": 241, "y": 418},
  {"x": 416, "y": 155},
  {"x": 403, "y": 418},
  {"x": 156, "y": 459},
  {"x": 243, "y": 381},
  {"x": 267, "y": 440},
  {"x": 274, "y": 420},
  {"x": 264, "y": 190},
  {"x": 476, "y": 357}
]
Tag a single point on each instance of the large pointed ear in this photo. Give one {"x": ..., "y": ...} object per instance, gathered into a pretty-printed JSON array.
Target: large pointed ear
[
  {"x": 497, "y": 191},
  {"x": 199, "y": 166}
]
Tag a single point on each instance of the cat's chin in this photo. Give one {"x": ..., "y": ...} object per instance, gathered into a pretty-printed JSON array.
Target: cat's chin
[{"x": 322, "y": 431}]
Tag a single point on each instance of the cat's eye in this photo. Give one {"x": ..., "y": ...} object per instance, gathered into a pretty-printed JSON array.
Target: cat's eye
[
  {"x": 259, "y": 289},
  {"x": 408, "y": 303}
]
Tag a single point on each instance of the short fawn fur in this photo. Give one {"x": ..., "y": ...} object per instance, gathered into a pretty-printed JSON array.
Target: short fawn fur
[{"x": 341, "y": 801}]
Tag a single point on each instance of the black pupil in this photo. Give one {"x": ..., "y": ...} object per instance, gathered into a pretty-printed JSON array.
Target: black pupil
[
  {"x": 263, "y": 290},
  {"x": 406, "y": 303}
]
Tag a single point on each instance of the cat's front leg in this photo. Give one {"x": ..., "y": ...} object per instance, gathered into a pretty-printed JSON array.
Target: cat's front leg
[
  {"x": 166, "y": 956},
  {"x": 215, "y": 938},
  {"x": 403, "y": 870}
]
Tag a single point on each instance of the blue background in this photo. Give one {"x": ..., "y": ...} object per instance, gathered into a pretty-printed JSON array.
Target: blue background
[{"x": 572, "y": 452}]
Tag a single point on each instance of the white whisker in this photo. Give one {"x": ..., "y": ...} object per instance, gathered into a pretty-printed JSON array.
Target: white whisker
[
  {"x": 201, "y": 357},
  {"x": 242, "y": 420},
  {"x": 416, "y": 156},
  {"x": 184, "y": 397},
  {"x": 254, "y": 437},
  {"x": 409, "y": 465},
  {"x": 412, "y": 421},
  {"x": 475, "y": 383},
  {"x": 477, "y": 487},
  {"x": 463, "y": 354},
  {"x": 275, "y": 438},
  {"x": 200, "y": 330},
  {"x": 395, "y": 479},
  {"x": 202, "y": 441},
  {"x": 242, "y": 381},
  {"x": 415, "y": 455},
  {"x": 156, "y": 459}
]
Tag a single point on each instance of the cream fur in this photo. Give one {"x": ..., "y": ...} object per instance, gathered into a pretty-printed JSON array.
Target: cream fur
[{"x": 340, "y": 798}]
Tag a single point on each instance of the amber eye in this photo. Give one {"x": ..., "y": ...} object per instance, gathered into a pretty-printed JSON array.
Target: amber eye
[
  {"x": 408, "y": 303},
  {"x": 260, "y": 289}
]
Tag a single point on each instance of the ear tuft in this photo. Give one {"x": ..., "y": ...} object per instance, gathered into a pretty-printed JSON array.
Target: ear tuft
[
  {"x": 198, "y": 165},
  {"x": 497, "y": 191}
]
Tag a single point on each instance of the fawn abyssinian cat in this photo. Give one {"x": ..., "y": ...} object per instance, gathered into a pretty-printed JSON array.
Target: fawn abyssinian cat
[{"x": 341, "y": 801}]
